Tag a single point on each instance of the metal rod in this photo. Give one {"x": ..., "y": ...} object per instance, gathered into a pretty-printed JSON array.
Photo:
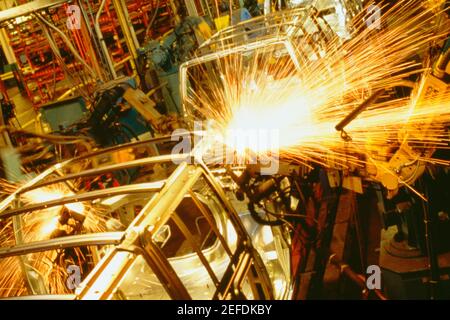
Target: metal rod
[
  {"x": 358, "y": 279},
  {"x": 94, "y": 239},
  {"x": 352, "y": 115}
]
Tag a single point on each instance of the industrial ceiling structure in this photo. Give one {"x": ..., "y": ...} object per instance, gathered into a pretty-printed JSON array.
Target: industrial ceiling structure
[{"x": 222, "y": 150}]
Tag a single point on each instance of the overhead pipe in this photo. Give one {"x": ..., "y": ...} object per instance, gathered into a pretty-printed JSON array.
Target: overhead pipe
[
  {"x": 128, "y": 20},
  {"x": 102, "y": 40}
]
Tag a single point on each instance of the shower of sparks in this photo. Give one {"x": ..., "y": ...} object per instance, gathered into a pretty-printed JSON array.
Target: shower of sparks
[
  {"x": 259, "y": 91},
  {"x": 40, "y": 225}
]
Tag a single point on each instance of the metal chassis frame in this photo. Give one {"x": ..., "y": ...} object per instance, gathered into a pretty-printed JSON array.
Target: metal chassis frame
[
  {"x": 135, "y": 238},
  {"x": 243, "y": 48}
]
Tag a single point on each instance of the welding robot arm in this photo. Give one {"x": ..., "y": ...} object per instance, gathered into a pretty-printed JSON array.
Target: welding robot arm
[{"x": 406, "y": 164}]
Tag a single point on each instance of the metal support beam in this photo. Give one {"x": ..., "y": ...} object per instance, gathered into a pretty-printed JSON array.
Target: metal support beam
[{"x": 28, "y": 8}]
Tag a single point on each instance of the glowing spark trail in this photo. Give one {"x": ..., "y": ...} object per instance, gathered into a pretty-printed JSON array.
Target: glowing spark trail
[
  {"x": 50, "y": 266},
  {"x": 262, "y": 89}
]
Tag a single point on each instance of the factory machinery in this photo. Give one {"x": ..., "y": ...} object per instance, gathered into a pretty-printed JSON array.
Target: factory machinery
[{"x": 103, "y": 203}]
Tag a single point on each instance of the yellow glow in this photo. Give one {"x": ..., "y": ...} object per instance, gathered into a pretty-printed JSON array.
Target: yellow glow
[
  {"x": 256, "y": 113},
  {"x": 49, "y": 194},
  {"x": 261, "y": 93},
  {"x": 39, "y": 225},
  {"x": 271, "y": 255}
]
